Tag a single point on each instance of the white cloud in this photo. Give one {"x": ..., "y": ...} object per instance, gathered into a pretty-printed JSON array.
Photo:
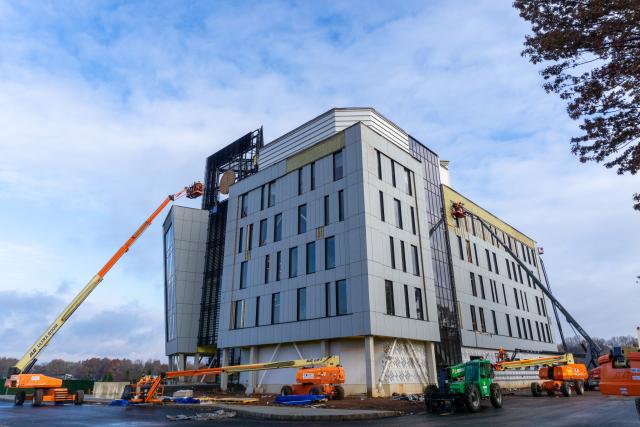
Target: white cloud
[{"x": 104, "y": 110}]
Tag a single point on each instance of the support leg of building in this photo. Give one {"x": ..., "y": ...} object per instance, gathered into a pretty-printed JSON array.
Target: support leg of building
[
  {"x": 431, "y": 362},
  {"x": 224, "y": 378},
  {"x": 253, "y": 375},
  {"x": 325, "y": 348},
  {"x": 370, "y": 366}
]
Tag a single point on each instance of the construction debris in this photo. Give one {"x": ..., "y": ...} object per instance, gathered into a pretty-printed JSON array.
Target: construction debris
[{"x": 208, "y": 416}]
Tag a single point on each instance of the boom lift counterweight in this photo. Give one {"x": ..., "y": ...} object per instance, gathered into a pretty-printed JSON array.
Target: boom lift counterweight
[{"x": 48, "y": 389}]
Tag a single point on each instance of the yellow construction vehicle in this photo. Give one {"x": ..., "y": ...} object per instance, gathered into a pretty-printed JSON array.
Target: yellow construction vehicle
[
  {"x": 49, "y": 389},
  {"x": 321, "y": 376}
]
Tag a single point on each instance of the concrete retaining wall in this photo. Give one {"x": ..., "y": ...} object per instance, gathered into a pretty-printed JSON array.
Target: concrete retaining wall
[{"x": 108, "y": 390}]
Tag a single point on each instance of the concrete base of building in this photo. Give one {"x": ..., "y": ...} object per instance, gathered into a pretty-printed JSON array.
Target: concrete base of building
[{"x": 376, "y": 366}]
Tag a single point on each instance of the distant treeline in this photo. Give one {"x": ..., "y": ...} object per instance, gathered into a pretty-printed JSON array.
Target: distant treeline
[
  {"x": 574, "y": 343},
  {"x": 97, "y": 369}
]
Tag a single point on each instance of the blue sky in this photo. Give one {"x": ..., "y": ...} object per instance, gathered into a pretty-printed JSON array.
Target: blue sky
[{"x": 107, "y": 107}]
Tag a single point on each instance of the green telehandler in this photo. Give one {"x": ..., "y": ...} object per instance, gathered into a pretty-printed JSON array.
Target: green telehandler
[{"x": 466, "y": 385}]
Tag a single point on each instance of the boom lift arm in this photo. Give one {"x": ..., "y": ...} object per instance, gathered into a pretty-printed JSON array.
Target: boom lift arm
[
  {"x": 27, "y": 361},
  {"x": 459, "y": 211},
  {"x": 156, "y": 382}
]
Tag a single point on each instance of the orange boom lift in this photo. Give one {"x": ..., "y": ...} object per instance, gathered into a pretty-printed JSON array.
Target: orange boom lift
[
  {"x": 321, "y": 376},
  {"x": 49, "y": 389},
  {"x": 620, "y": 373}
]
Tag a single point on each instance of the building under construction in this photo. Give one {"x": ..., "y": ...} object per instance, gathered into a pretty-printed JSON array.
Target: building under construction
[{"x": 335, "y": 238}]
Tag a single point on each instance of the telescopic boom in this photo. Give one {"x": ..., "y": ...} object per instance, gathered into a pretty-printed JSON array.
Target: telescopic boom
[{"x": 27, "y": 361}]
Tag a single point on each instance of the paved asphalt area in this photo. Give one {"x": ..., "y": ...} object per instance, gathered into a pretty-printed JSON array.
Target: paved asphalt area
[{"x": 591, "y": 409}]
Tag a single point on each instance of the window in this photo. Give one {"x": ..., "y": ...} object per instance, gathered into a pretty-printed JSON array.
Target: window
[
  {"x": 277, "y": 228},
  {"x": 398, "y": 213},
  {"x": 243, "y": 274},
  {"x": 302, "y": 219},
  {"x": 278, "y": 265},
  {"x": 538, "y": 306},
  {"x": 327, "y": 218},
  {"x": 474, "y": 321},
  {"x": 267, "y": 268},
  {"x": 238, "y": 321},
  {"x": 406, "y": 301},
  {"x": 263, "y": 232},
  {"x": 262, "y": 190},
  {"x": 293, "y": 261},
  {"x": 416, "y": 260},
  {"x": 518, "y": 325},
  {"x": 379, "y": 164},
  {"x": 338, "y": 172},
  {"x": 482, "y": 323},
  {"x": 341, "y": 205},
  {"x": 388, "y": 290},
  {"x": 393, "y": 252},
  {"x": 530, "y": 329},
  {"x": 311, "y": 257},
  {"x": 538, "y": 331},
  {"x": 419, "y": 305},
  {"x": 249, "y": 236},
  {"x": 520, "y": 274},
  {"x": 327, "y": 299},
  {"x": 524, "y": 328},
  {"x": 244, "y": 209},
  {"x": 486, "y": 251},
  {"x": 504, "y": 294},
  {"x": 549, "y": 333},
  {"x": 299, "y": 181},
  {"x": 508, "y": 269},
  {"x": 526, "y": 301},
  {"x": 312, "y": 179},
  {"x": 275, "y": 308},
  {"x": 473, "y": 284},
  {"x": 341, "y": 297},
  {"x": 407, "y": 181},
  {"x": 482, "y": 287},
  {"x": 515, "y": 295},
  {"x": 240, "y": 240},
  {"x": 469, "y": 256},
  {"x": 460, "y": 247},
  {"x": 495, "y": 263},
  {"x": 302, "y": 304},
  {"x": 403, "y": 257},
  {"x": 509, "y": 325},
  {"x": 413, "y": 220},
  {"x": 381, "y": 207},
  {"x": 493, "y": 295},
  {"x": 393, "y": 172},
  {"x": 475, "y": 252},
  {"x": 257, "y": 321},
  {"x": 271, "y": 200},
  {"x": 329, "y": 253},
  {"x": 495, "y": 322}
]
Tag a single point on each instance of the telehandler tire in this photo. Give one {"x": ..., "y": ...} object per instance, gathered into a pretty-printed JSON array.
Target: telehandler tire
[
  {"x": 496, "y": 396},
  {"x": 579, "y": 387},
  {"x": 18, "y": 399},
  {"x": 565, "y": 389},
  {"x": 472, "y": 398},
  {"x": 38, "y": 395}
]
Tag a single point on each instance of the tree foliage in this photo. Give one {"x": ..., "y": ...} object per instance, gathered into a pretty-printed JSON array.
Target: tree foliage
[
  {"x": 591, "y": 51},
  {"x": 575, "y": 343}
]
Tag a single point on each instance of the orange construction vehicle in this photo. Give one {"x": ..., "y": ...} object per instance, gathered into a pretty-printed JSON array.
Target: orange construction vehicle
[
  {"x": 563, "y": 375},
  {"x": 620, "y": 373},
  {"x": 49, "y": 389},
  {"x": 315, "y": 376}
]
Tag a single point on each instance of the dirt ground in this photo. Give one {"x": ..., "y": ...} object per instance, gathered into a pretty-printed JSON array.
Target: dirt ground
[{"x": 350, "y": 402}]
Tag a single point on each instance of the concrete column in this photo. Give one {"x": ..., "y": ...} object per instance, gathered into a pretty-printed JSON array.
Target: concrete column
[
  {"x": 253, "y": 375},
  {"x": 431, "y": 362},
  {"x": 370, "y": 366},
  {"x": 224, "y": 378},
  {"x": 325, "y": 348}
]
